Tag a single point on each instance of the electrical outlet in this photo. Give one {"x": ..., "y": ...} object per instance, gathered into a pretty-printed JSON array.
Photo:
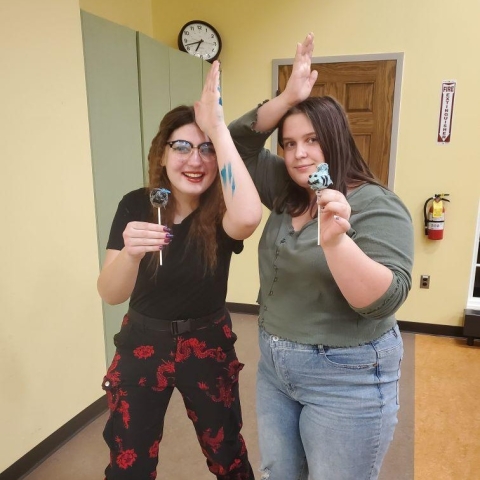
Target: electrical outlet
[{"x": 424, "y": 281}]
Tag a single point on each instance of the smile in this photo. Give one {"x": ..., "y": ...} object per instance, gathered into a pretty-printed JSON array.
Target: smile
[{"x": 193, "y": 176}]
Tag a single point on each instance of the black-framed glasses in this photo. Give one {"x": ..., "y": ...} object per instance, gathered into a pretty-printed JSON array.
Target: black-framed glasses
[{"x": 183, "y": 149}]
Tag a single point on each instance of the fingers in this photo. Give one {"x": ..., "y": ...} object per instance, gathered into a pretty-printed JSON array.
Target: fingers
[
  {"x": 142, "y": 237},
  {"x": 338, "y": 209},
  {"x": 333, "y": 202},
  {"x": 213, "y": 78},
  {"x": 306, "y": 47},
  {"x": 209, "y": 111}
]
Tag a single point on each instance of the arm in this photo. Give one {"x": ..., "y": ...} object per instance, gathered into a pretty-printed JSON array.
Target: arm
[
  {"x": 117, "y": 277},
  {"x": 128, "y": 243},
  {"x": 298, "y": 88},
  {"x": 372, "y": 268},
  {"x": 244, "y": 210},
  {"x": 251, "y": 131},
  {"x": 266, "y": 169}
]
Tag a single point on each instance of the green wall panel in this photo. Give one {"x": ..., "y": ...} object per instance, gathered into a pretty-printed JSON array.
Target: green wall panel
[
  {"x": 154, "y": 79},
  {"x": 110, "y": 53},
  {"x": 186, "y": 78}
]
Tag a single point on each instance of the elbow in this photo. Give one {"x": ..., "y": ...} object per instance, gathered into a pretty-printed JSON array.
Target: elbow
[
  {"x": 111, "y": 300},
  {"x": 389, "y": 303},
  {"x": 109, "y": 297},
  {"x": 251, "y": 222}
]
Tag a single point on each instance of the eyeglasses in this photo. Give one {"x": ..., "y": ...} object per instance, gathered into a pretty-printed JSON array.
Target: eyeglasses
[{"x": 183, "y": 149}]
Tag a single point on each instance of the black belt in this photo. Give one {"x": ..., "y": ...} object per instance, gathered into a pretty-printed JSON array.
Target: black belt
[{"x": 175, "y": 327}]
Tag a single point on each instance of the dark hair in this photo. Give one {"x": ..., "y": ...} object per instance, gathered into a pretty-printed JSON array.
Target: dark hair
[
  {"x": 212, "y": 207},
  {"x": 347, "y": 168}
]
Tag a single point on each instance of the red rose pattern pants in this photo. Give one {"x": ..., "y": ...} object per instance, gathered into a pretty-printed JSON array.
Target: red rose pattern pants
[{"x": 147, "y": 366}]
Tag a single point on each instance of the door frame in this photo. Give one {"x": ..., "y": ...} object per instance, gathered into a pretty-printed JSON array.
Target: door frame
[{"x": 398, "y": 56}]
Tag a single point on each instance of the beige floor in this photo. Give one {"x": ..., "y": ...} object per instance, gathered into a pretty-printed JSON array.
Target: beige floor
[
  {"x": 444, "y": 444},
  {"x": 447, "y": 415}
]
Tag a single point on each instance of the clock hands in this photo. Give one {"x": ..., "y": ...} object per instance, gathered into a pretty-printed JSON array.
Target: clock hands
[{"x": 195, "y": 43}]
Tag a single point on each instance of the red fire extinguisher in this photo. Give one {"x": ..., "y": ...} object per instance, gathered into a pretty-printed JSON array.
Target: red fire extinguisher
[{"x": 434, "y": 216}]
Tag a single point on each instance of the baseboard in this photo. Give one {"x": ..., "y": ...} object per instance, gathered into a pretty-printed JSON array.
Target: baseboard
[
  {"x": 412, "y": 327},
  {"x": 44, "y": 449},
  {"x": 431, "y": 329}
]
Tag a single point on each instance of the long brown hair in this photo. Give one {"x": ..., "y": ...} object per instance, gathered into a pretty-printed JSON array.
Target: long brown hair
[
  {"x": 347, "y": 168},
  {"x": 203, "y": 230}
]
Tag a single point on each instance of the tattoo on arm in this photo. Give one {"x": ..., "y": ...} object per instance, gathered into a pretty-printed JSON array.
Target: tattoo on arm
[{"x": 227, "y": 177}]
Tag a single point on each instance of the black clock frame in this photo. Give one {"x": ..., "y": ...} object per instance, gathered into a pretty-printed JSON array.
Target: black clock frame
[{"x": 214, "y": 30}]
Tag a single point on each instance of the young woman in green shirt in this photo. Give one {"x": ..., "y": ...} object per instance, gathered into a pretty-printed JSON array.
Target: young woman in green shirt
[{"x": 327, "y": 385}]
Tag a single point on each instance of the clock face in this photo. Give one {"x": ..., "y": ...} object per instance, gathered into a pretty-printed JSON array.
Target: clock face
[{"x": 200, "y": 39}]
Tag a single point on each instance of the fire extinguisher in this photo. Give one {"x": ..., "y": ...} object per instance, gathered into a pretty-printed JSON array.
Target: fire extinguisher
[{"x": 434, "y": 216}]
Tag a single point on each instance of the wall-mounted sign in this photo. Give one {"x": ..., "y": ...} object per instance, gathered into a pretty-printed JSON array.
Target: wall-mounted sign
[{"x": 446, "y": 111}]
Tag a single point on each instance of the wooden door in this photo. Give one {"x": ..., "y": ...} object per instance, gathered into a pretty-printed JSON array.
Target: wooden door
[{"x": 366, "y": 90}]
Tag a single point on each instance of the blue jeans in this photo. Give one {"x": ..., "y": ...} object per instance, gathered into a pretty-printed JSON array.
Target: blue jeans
[{"x": 326, "y": 413}]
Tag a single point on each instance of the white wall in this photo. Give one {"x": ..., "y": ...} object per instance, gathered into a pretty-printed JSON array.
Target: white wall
[{"x": 52, "y": 349}]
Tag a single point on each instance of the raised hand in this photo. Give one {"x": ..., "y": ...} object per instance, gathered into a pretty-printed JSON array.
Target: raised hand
[
  {"x": 302, "y": 79},
  {"x": 209, "y": 110}
]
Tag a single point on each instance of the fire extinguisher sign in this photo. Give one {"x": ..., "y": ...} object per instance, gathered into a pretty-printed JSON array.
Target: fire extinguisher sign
[{"x": 446, "y": 112}]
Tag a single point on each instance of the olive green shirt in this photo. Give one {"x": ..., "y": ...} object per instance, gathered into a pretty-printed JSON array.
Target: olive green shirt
[{"x": 299, "y": 299}]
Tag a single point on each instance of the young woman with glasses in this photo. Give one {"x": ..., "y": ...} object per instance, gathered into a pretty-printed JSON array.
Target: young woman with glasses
[{"x": 177, "y": 332}]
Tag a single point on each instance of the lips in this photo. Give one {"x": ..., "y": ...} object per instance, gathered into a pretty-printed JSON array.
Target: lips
[
  {"x": 303, "y": 167},
  {"x": 194, "y": 176}
]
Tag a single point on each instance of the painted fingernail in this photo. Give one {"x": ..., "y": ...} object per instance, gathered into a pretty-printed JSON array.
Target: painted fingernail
[
  {"x": 220, "y": 101},
  {"x": 169, "y": 235},
  {"x": 160, "y": 247},
  {"x": 166, "y": 229}
]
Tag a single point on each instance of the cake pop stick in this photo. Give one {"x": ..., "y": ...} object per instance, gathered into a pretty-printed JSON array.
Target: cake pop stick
[
  {"x": 159, "y": 198},
  {"x": 318, "y": 181}
]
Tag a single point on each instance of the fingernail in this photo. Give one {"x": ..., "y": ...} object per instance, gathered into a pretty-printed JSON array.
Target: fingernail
[
  {"x": 160, "y": 247},
  {"x": 166, "y": 241},
  {"x": 169, "y": 235},
  {"x": 166, "y": 229}
]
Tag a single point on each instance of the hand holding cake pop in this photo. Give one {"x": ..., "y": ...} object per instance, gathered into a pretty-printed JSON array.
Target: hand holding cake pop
[
  {"x": 159, "y": 198},
  {"x": 319, "y": 181}
]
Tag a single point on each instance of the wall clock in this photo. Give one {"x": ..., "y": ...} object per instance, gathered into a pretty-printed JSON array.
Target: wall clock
[{"x": 200, "y": 39}]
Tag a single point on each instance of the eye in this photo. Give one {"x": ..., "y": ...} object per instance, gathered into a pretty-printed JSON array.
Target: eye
[
  {"x": 181, "y": 146},
  {"x": 312, "y": 140},
  {"x": 289, "y": 145},
  {"x": 207, "y": 149}
]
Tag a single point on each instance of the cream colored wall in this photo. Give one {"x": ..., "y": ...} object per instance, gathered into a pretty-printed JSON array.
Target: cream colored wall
[
  {"x": 438, "y": 40},
  {"x": 136, "y": 14},
  {"x": 52, "y": 354},
  {"x": 49, "y": 250}
]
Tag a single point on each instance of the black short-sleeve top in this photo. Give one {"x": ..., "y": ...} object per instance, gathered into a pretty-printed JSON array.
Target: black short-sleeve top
[{"x": 178, "y": 289}]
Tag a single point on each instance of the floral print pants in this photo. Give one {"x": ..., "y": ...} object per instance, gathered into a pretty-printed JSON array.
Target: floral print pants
[{"x": 147, "y": 366}]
